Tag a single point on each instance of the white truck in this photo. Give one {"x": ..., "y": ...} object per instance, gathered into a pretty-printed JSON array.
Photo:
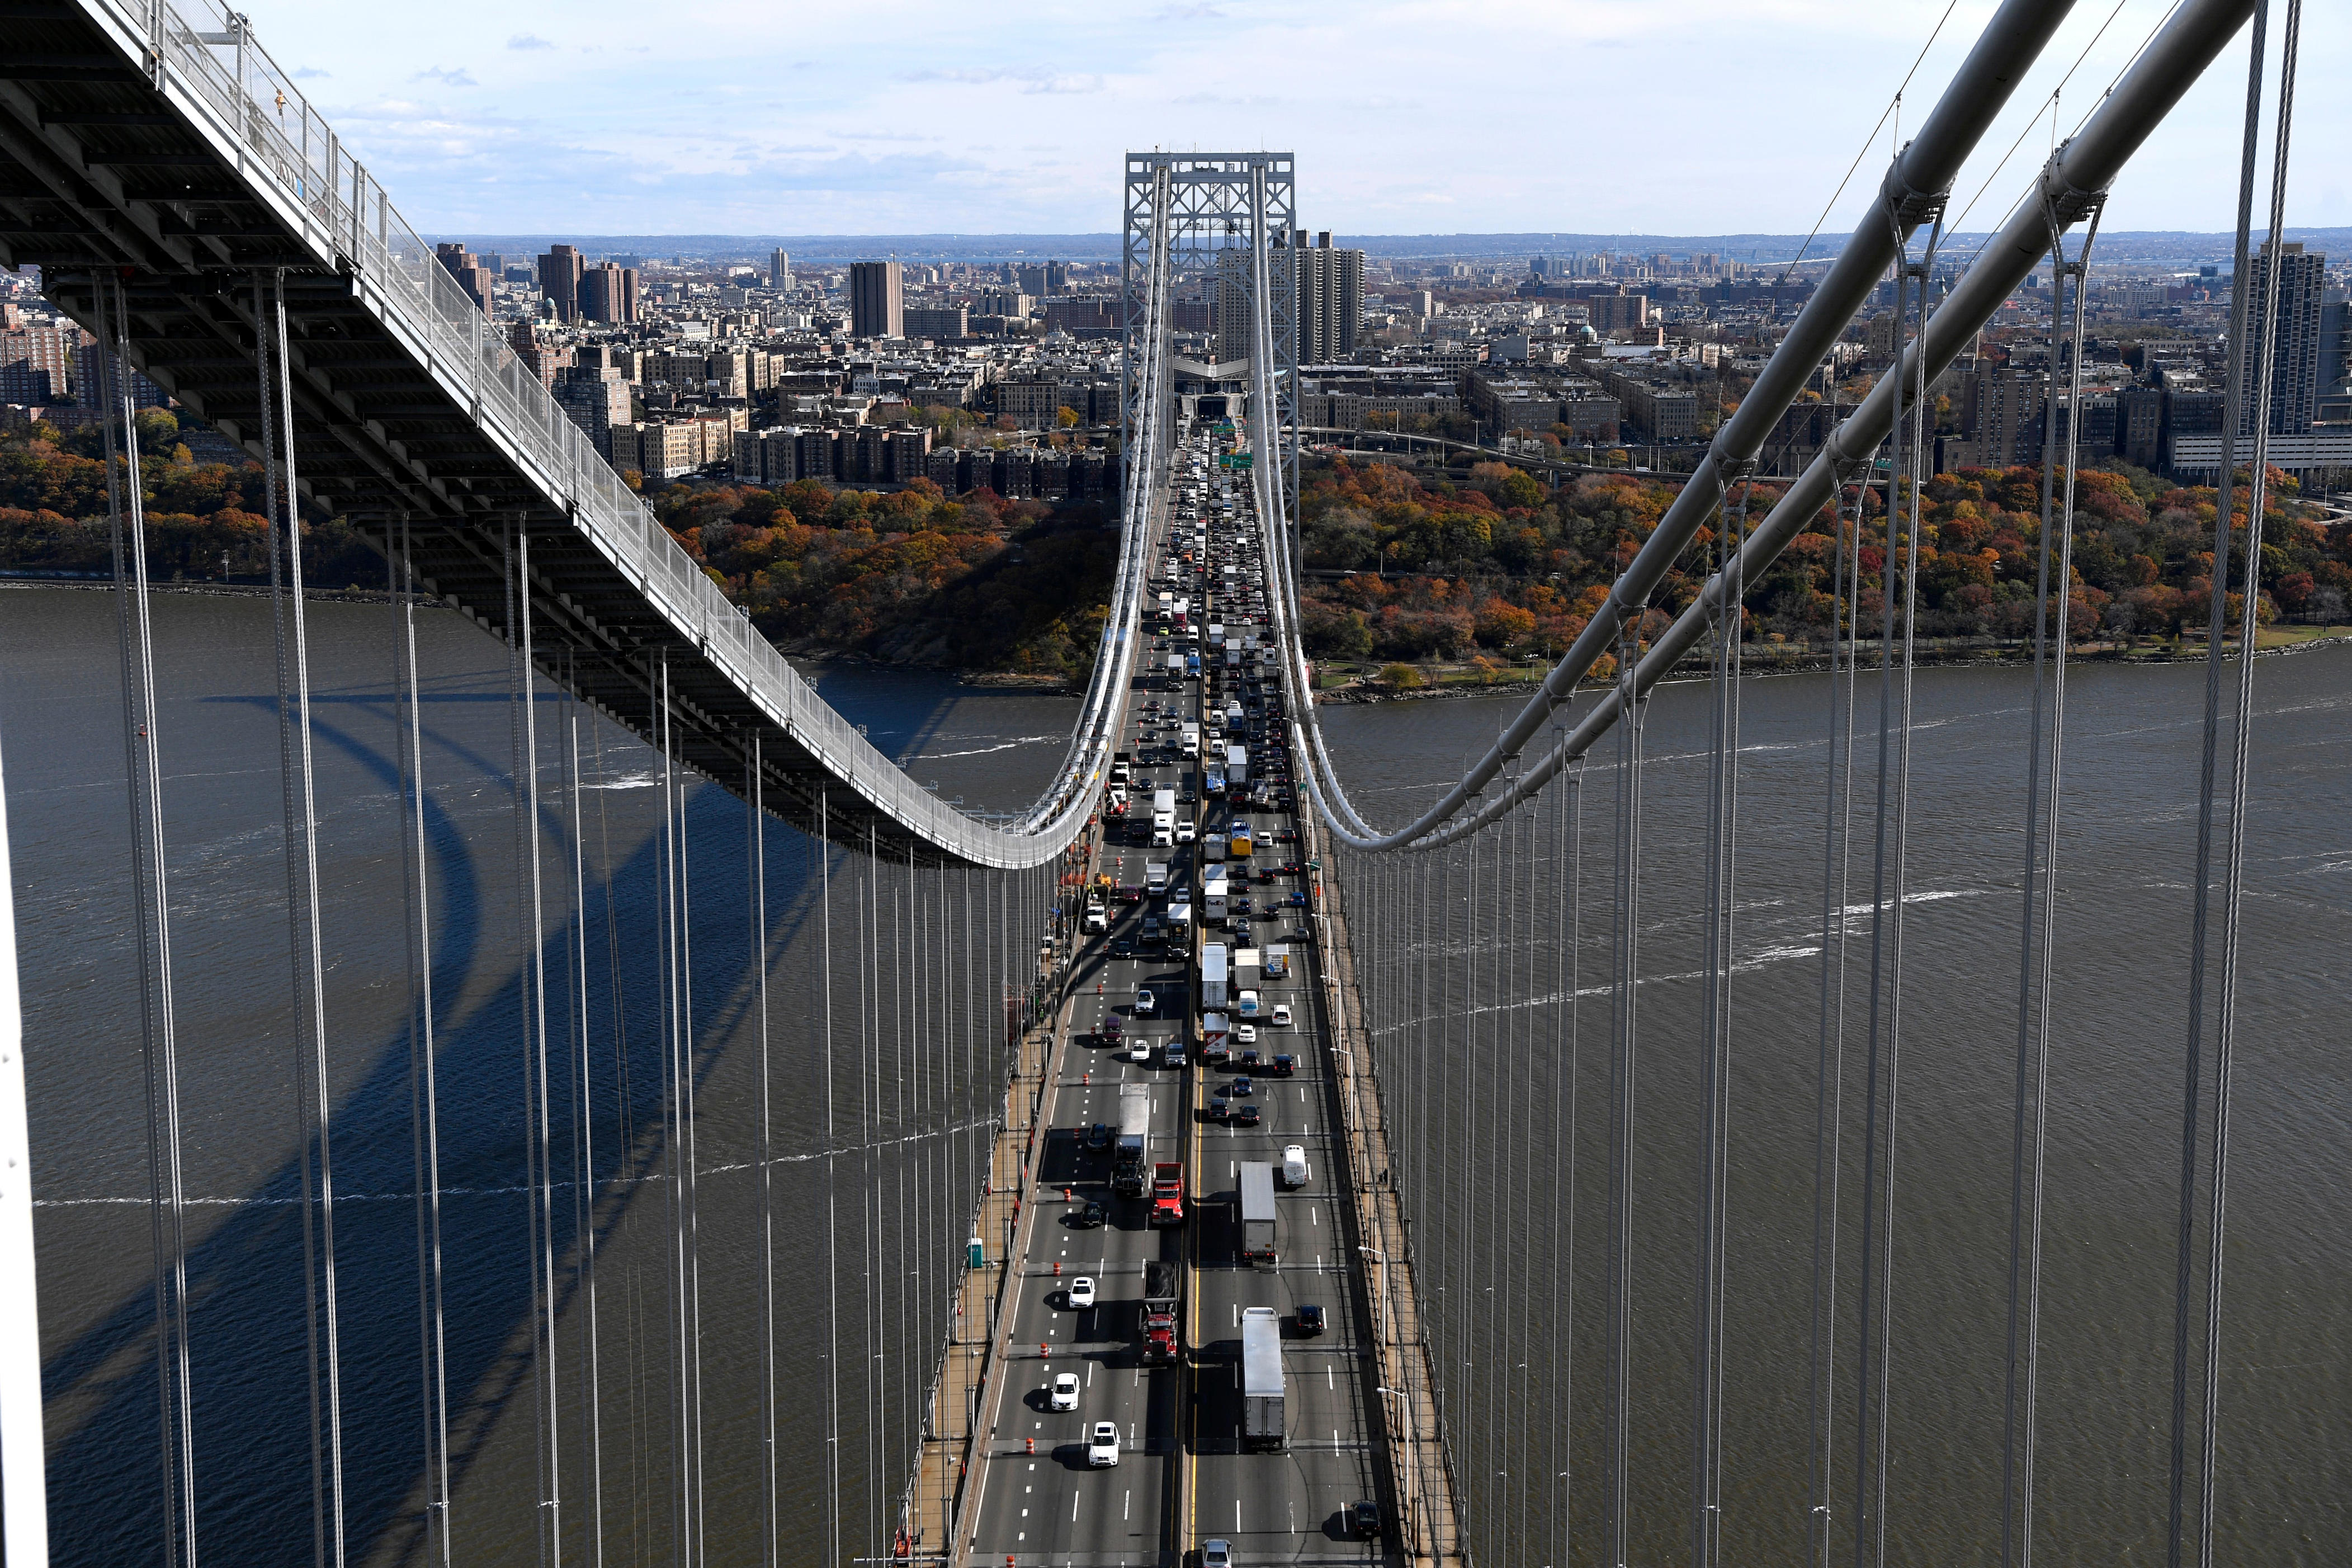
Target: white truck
[
  {"x": 1189, "y": 745},
  {"x": 1237, "y": 766},
  {"x": 1216, "y": 1038},
  {"x": 1213, "y": 976},
  {"x": 1155, "y": 874},
  {"x": 1263, "y": 1424},
  {"x": 1214, "y": 892},
  {"x": 1163, "y": 815},
  {"x": 1134, "y": 1133}
]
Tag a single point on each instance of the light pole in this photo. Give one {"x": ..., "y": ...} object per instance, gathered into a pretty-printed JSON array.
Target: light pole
[{"x": 1412, "y": 1499}]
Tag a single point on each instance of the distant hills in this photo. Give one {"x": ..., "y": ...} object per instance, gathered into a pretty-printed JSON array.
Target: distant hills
[{"x": 2159, "y": 248}]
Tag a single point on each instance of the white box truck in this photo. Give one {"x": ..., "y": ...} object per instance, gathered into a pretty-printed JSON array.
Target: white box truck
[
  {"x": 1263, "y": 1424},
  {"x": 1256, "y": 1212},
  {"x": 1155, "y": 875},
  {"x": 1163, "y": 809},
  {"x": 1214, "y": 895},
  {"x": 1237, "y": 766},
  {"x": 1213, "y": 976},
  {"x": 1134, "y": 1131}
]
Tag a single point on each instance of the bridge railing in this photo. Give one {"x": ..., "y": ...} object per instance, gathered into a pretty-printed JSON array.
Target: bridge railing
[{"x": 293, "y": 157}]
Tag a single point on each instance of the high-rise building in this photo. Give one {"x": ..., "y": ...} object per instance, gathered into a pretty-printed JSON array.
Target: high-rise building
[
  {"x": 596, "y": 399},
  {"x": 2294, "y": 371},
  {"x": 1326, "y": 285},
  {"x": 1330, "y": 299},
  {"x": 878, "y": 299},
  {"x": 609, "y": 293},
  {"x": 780, "y": 270},
  {"x": 560, "y": 272},
  {"x": 2335, "y": 346},
  {"x": 1042, "y": 278},
  {"x": 478, "y": 282}
]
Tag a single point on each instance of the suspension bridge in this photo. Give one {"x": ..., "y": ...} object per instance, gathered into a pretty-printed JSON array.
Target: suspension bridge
[{"x": 1181, "y": 1169}]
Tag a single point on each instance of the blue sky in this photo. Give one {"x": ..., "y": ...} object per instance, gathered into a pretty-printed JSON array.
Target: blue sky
[{"x": 1407, "y": 116}]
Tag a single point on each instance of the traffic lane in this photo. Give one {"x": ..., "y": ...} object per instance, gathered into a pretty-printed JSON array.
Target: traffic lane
[
  {"x": 1291, "y": 1503},
  {"x": 1013, "y": 1518},
  {"x": 1022, "y": 1515}
]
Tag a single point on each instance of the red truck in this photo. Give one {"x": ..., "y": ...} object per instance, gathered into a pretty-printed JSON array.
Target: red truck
[
  {"x": 1167, "y": 1193},
  {"x": 1160, "y": 1288}
]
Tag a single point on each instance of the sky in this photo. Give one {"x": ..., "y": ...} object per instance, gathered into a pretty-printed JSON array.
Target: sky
[{"x": 594, "y": 117}]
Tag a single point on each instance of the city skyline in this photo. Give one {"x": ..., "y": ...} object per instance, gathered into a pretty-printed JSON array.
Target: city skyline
[{"x": 737, "y": 121}]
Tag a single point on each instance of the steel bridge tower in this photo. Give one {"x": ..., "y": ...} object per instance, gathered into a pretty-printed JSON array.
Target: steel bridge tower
[{"x": 1209, "y": 222}]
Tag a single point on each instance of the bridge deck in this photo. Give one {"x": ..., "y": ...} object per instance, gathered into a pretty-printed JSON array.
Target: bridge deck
[{"x": 1185, "y": 1475}]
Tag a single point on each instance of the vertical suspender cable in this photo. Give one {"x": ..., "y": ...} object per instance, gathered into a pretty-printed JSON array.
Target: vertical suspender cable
[
  {"x": 690, "y": 1186},
  {"x": 263, "y": 339},
  {"x": 1722, "y": 817},
  {"x": 1885, "y": 947},
  {"x": 151, "y": 922},
  {"x": 1916, "y": 475},
  {"x": 536, "y": 1067},
  {"x": 1829, "y": 1106},
  {"x": 2038, "y": 958},
  {"x": 583, "y": 1157},
  {"x": 316, "y": 1114},
  {"x": 757, "y": 847},
  {"x": 1567, "y": 1107},
  {"x": 2191, "y": 1110},
  {"x": 624, "y": 1133},
  {"x": 2225, "y": 1021},
  {"x": 673, "y": 1142},
  {"x": 1621, "y": 1084},
  {"x": 415, "y": 855},
  {"x": 822, "y": 849}
]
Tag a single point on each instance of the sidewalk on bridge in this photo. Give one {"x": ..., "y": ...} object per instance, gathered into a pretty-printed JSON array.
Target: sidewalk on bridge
[{"x": 1422, "y": 1472}]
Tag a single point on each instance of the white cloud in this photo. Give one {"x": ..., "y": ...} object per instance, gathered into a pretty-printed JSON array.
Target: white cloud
[
  {"x": 528, "y": 41},
  {"x": 1598, "y": 116}
]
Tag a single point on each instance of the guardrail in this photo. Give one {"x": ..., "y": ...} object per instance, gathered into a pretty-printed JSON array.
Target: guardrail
[{"x": 288, "y": 155}]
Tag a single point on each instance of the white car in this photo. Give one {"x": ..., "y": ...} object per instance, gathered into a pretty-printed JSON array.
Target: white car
[
  {"x": 1140, "y": 1051},
  {"x": 1185, "y": 831},
  {"x": 1146, "y": 1004},
  {"x": 1066, "y": 1391},
  {"x": 1082, "y": 1294},
  {"x": 1217, "y": 1554},
  {"x": 1282, "y": 1014},
  {"x": 1245, "y": 1034},
  {"x": 1294, "y": 1165},
  {"x": 1102, "y": 1445}
]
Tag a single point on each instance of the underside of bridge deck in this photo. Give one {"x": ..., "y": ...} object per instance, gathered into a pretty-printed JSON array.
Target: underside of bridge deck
[{"x": 103, "y": 179}]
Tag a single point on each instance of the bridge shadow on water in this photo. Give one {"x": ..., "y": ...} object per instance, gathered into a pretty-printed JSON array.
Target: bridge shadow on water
[{"x": 245, "y": 1275}]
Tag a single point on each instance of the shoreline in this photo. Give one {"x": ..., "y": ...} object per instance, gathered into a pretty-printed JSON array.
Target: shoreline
[
  {"x": 1365, "y": 691},
  {"x": 1357, "y": 691}
]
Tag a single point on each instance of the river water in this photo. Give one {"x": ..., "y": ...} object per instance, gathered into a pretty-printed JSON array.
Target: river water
[{"x": 2286, "y": 1450}]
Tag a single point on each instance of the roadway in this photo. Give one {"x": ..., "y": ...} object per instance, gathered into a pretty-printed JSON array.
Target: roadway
[
  {"x": 1183, "y": 1477},
  {"x": 1289, "y": 1506}
]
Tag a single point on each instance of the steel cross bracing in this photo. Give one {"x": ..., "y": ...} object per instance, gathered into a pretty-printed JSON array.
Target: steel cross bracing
[
  {"x": 1212, "y": 226},
  {"x": 158, "y": 142}
]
